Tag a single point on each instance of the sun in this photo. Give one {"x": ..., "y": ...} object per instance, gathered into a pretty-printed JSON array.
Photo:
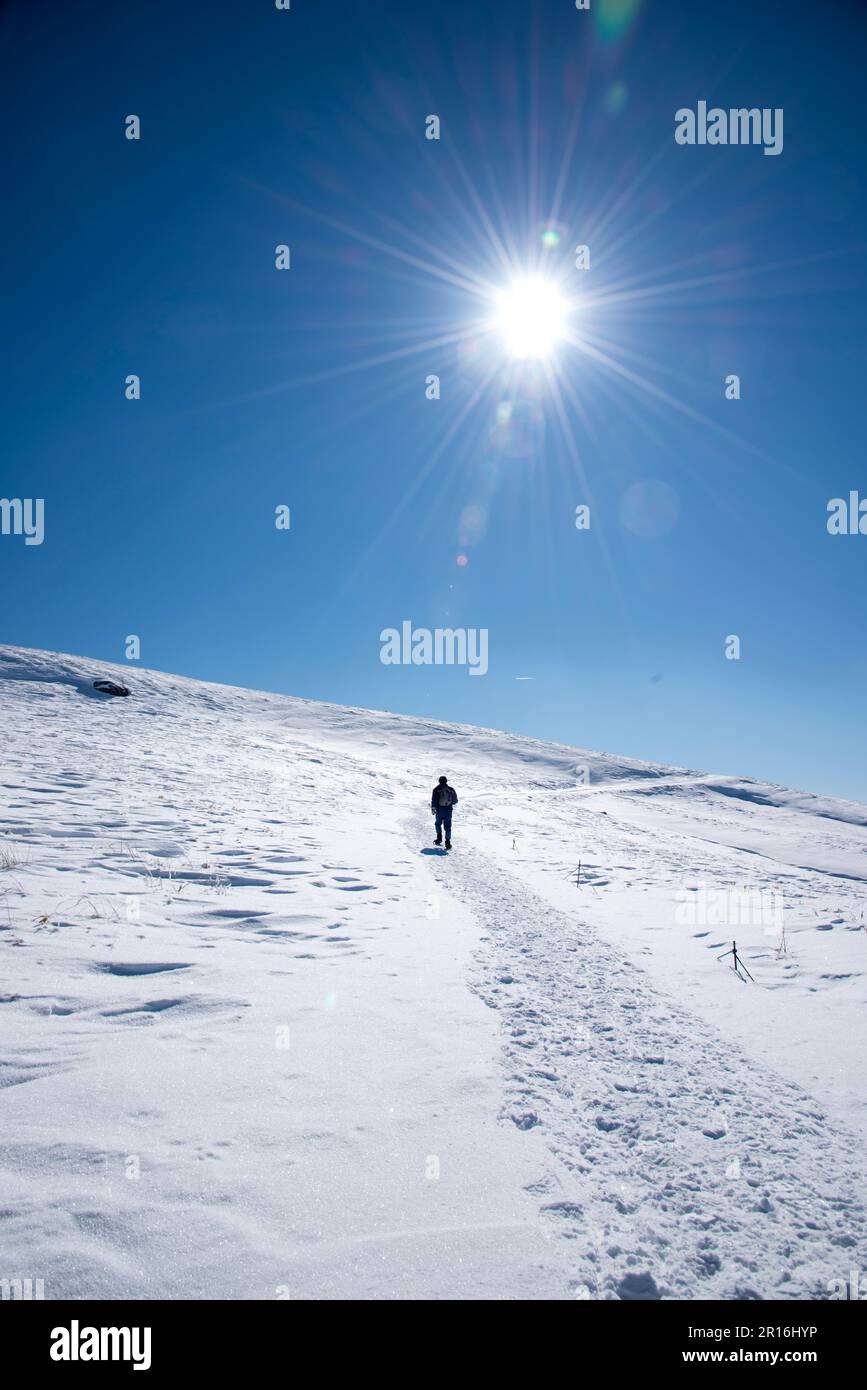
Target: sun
[{"x": 530, "y": 316}]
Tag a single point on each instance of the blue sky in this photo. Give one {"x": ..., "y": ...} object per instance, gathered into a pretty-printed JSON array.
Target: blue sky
[{"x": 307, "y": 387}]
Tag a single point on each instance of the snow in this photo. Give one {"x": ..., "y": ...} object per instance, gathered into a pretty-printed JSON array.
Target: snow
[{"x": 259, "y": 1040}]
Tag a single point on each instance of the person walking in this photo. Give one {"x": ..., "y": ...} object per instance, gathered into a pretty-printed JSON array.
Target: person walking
[{"x": 443, "y": 798}]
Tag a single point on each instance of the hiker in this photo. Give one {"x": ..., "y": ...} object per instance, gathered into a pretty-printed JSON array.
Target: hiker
[{"x": 443, "y": 798}]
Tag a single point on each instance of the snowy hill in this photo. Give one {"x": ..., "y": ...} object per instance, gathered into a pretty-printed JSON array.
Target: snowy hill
[{"x": 257, "y": 1040}]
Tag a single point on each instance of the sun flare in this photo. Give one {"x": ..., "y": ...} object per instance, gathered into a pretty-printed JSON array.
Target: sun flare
[{"x": 530, "y": 317}]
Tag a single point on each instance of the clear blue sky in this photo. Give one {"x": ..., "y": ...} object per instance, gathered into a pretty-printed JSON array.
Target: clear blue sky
[{"x": 306, "y": 387}]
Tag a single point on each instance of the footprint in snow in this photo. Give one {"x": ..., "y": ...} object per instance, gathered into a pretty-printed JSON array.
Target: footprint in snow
[
  {"x": 569, "y": 1210},
  {"x": 527, "y": 1120},
  {"x": 638, "y": 1287}
]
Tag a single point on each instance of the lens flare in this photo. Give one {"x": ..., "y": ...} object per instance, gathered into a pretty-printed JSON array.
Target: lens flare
[{"x": 613, "y": 17}]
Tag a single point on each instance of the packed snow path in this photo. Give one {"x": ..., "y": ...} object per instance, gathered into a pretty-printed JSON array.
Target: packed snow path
[{"x": 679, "y": 1169}]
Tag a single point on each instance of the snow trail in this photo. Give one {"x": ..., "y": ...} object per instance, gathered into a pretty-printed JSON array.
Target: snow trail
[{"x": 678, "y": 1167}]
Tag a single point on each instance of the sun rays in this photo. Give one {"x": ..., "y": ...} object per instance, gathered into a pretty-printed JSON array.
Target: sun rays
[{"x": 476, "y": 295}]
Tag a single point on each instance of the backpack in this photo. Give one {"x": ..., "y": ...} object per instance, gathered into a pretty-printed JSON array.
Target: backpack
[{"x": 444, "y": 796}]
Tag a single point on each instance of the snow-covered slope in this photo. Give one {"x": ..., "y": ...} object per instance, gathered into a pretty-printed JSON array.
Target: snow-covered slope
[{"x": 258, "y": 1040}]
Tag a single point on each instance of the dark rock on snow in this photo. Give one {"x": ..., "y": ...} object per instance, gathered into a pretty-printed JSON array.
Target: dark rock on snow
[{"x": 110, "y": 688}]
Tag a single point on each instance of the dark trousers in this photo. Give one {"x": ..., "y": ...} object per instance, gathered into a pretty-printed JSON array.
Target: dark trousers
[{"x": 444, "y": 818}]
